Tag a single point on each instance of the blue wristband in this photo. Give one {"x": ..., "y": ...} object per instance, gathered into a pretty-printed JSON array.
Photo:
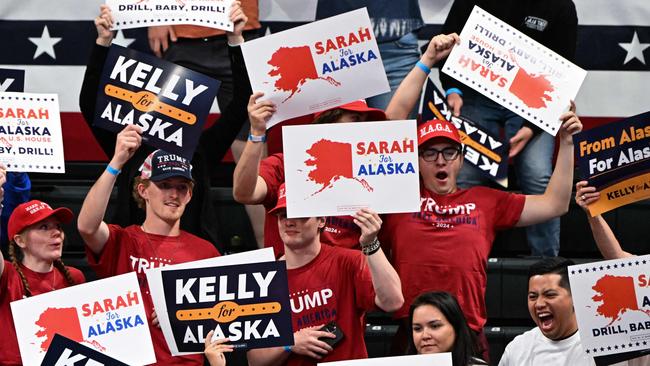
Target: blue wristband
[
  {"x": 112, "y": 170},
  {"x": 452, "y": 91},
  {"x": 287, "y": 349},
  {"x": 423, "y": 67},
  {"x": 254, "y": 138}
]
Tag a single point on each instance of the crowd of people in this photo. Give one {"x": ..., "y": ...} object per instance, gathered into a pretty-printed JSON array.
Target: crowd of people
[{"x": 431, "y": 275}]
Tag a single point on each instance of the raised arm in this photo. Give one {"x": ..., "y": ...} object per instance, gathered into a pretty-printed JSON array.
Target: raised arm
[
  {"x": 409, "y": 90},
  {"x": 216, "y": 140},
  {"x": 604, "y": 237},
  {"x": 90, "y": 222},
  {"x": 555, "y": 200},
  {"x": 385, "y": 281},
  {"x": 92, "y": 76},
  {"x": 248, "y": 186}
]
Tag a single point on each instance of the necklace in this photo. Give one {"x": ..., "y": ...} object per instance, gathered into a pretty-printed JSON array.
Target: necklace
[{"x": 153, "y": 248}]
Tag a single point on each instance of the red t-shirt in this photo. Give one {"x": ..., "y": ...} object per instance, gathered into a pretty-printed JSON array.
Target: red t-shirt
[
  {"x": 335, "y": 286},
  {"x": 340, "y": 231},
  {"x": 445, "y": 246},
  {"x": 11, "y": 289},
  {"x": 131, "y": 249}
]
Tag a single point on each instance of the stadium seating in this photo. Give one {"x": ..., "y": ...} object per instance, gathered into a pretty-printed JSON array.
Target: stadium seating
[{"x": 507, "y": 269}]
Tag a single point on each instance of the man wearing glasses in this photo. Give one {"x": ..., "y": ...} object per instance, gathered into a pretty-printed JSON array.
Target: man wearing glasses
[{"x": 445, "y": 246}]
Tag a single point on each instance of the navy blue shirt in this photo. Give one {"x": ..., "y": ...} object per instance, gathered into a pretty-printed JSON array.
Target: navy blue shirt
[{"x": 390, "y": 19}]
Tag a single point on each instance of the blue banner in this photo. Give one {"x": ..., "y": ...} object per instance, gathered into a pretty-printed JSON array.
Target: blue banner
[
  {"x": 615, "y": 158},
  {"x": 64, "y": 351},
  {"x": 12, "y": 80},
  {"x": 615, "y": 151},
  {"x": 482, "y": 149},
  {"x": 248, "y": 303},
  {"x": 169, "y": 102}
]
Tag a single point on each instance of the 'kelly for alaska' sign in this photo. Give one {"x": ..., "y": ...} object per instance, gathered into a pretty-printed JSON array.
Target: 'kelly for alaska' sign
[{"x": 169, "y": 102}]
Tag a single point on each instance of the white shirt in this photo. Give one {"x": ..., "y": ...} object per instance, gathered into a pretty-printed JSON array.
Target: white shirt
[{"x": 532, "y": 348}]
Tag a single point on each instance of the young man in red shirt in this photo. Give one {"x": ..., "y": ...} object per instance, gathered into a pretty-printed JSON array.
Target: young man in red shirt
[
  {"x": 445, "y": 246},
  {"x": 163, "y": 190},
  {"x": 329, "y": 284},
  {"x": 256, "y": 180}
]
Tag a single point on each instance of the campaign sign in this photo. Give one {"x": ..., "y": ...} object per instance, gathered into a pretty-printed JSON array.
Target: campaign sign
[
  {"x": 482, "y": 149},
  {"x": 436, "y": 359},
  {"x": 169, "y": 102},
  {"x": 107, "y": 315},
  {"x": 30, "y": 133},
  {"x": 64, "y": 351},
  {"x": 12, "y": 80},
  {"x": 145, "y": 13},
  {"x": 612, "y": 304},
  {"x": 513, "y": 70},
  {"x": 247, "y": 303},
  {"x": 615, "y": 158},
  {"x": 336, "y": 169},
  {"x": 317, "y": 66},
  {"x": 156, "y": 289}
]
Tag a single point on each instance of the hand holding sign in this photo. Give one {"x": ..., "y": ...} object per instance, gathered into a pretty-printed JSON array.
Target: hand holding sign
[
  {"x": 104, "y": 23},
  {"x": 586, "y": 195},
  {"x": 570, "y": 125},
  {"x": 440, "y": 47},
  {"x": 259, "y": 113},
  {"x": 214, "y": 350},
  {"x": 369, "y": 223},
  {"x": 239, "y": 19},
  {"x": 127, "y": 143}
]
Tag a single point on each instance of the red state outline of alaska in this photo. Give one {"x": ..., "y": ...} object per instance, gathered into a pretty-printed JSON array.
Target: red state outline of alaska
[
  {"x": 617, "y": 296},
  {"x": 533, "y": 90},
  {"x": 294, "y": 66},
  {"x": 64, "y": 321},
  {"x": 332, "y": 161}
]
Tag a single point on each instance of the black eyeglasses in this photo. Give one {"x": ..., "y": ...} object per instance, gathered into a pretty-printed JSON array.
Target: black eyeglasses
[{"x": 448, "y": 153}]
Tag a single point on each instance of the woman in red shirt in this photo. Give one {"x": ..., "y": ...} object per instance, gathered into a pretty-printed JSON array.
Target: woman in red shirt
[{"x": 35, "y": 266}]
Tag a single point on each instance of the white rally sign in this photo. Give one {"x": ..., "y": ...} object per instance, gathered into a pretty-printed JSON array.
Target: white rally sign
[
  {"x": 145, "y": 13},
  {"x": 107, "y": 315},
  {"x": 612, "y": 303},
  {"x": 336, "y": 169},
  {"x": 436, "y": 359},
  {"x": 317, "y": 66},
  {"x": 30, "y": 133},
  {"x": 513, "y": 70}
]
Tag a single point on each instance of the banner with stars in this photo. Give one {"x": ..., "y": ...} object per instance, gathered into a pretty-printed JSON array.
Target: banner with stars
[{"x": 51, "y": 41}]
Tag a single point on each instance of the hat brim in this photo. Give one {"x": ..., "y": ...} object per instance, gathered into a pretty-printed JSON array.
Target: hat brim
[
  {"x": 164, "y": 176},
  {"x": 439, "y": 138},
  {"x": 373, "y": 114},
  {"x": 64, "y": 215}
]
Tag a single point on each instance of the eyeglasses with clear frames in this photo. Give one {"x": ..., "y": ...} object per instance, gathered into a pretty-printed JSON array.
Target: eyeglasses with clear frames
[{"x": 448, "y": 153}]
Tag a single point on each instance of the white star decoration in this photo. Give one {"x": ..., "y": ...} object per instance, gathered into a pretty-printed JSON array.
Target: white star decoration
[
  {"x": 634, "y": 49},
  {"x": 120, "y": 40},
  {"x": 45, "y": 43}
]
